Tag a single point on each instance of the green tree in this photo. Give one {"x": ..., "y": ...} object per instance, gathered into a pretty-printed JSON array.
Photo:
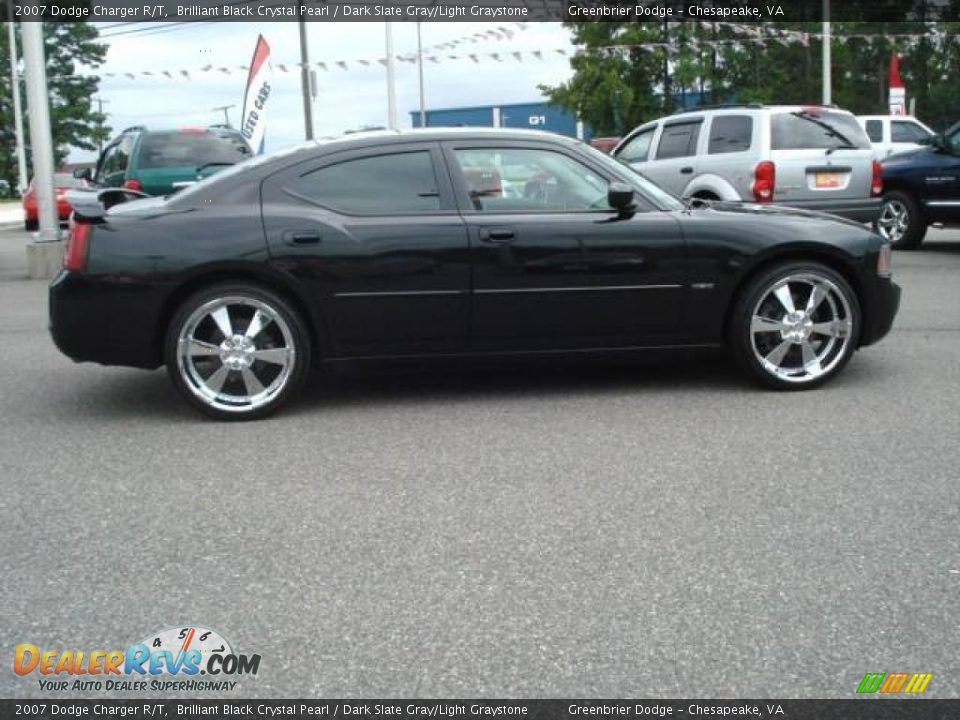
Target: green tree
[
  {"x": 74, "y": 119},
  {"x": 779, "y": 62}
]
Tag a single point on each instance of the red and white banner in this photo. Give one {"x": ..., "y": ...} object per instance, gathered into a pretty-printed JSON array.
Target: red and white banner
[
  {"x": 898, "y": 93},
  {"x": 259, "y": 80}
]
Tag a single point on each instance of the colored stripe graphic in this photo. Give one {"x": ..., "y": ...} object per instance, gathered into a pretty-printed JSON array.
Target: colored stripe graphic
[{"x": 894, "y": 683}]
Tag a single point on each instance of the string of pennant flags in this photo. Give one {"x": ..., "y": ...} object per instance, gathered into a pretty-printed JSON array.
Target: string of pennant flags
[{"x": 435, "y": 54}]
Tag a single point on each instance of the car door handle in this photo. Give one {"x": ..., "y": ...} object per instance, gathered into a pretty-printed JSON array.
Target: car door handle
[
  {"x": 686, "y": 170},
  {"x": 497, "y": 235},
  {"x": 301, "y": 237}
]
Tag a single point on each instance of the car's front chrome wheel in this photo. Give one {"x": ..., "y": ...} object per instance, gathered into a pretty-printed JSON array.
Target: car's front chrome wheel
[
  {"x": 797, "y": 325},
  {"x": 237, "y": 352},
  {"x": 801, "y": 328}
]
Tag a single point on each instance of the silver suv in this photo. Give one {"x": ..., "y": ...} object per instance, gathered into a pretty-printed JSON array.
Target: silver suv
[{"x": 815, "y": 158}]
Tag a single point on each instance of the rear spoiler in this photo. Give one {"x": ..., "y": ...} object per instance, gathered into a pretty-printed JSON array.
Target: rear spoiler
[{"x": 93, "y": 203}]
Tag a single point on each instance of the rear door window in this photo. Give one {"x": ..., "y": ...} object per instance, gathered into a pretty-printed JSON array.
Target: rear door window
[
  {"x": 375, "y": 185},
  {"x": 816, "y": 129},
  {"x": 730, "y": 133},
  {"x": 678, "y": 140},
  {"x": 192, "y": 149}
]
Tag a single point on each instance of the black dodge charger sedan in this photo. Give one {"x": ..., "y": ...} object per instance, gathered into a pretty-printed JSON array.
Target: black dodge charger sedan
[{"x": 458, "y": 242}]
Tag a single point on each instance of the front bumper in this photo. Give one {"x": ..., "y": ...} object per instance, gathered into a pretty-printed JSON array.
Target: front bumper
[
  {"x": 881, "y": 311},
  {"x": 862, "y": 210},
  {"x": 105, "y": 320}
]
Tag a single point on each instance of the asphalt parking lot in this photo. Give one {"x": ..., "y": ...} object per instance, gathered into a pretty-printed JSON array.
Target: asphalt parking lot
[{"x": 650, "y": 530}]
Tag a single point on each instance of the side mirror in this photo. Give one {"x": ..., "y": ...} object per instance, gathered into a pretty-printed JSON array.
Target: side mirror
[
  {"x": 83, "y": 174},
  {"x": 620, "y": 197}
]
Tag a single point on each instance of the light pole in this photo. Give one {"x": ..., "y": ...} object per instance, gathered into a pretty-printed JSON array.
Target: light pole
[
  {"x": 100, "y": 102},
  {"x": 41, "y": 143},
  {"x": 305, "y": 82},
  {"x": 391, "y": 89},
  {"x": 827, "y": 89},
  {"x": 423, "y": 108},
  {"x": 17, "y": 109}
]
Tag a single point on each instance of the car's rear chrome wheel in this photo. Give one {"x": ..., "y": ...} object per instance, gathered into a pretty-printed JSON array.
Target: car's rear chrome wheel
[
  {"x": 797, "y": 326},
  {"x": 237, "y": 352}
]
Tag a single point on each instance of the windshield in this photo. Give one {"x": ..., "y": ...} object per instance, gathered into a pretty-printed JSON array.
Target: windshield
[
  {"x": 192, "y": 148},
  {"x": 653, "y": 191},
  {"x": 816, "y": 129}
]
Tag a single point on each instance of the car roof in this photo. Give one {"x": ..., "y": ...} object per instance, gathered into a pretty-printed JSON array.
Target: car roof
[{"x": 385, "y": 137}]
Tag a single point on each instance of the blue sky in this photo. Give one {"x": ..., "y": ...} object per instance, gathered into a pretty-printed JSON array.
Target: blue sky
[{"x": 348, "y": 99}]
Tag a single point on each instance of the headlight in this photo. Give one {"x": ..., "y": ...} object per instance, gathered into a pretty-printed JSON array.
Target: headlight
[{"x": 885, "y": 261}]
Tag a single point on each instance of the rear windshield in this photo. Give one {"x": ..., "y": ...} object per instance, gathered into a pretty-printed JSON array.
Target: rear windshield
[
  {"x": 193, "y": 149},
  {"x": 816, "y": 129}
]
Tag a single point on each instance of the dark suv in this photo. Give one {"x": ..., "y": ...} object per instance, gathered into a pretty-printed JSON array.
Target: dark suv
[
  {"x": 159, "y": 162},
  {"x": 921, "y": 187}
]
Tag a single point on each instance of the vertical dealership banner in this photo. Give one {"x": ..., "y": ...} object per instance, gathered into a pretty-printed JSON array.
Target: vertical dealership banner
[
  {"x": 898, "y": 94},
  {"x": 254, "y": 124}
]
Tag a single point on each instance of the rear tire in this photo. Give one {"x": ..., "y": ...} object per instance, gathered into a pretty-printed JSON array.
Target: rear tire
[
  {"x": 237, "y": 351},
  {"x": 795, "y": 326},
  {"x": 31, "y": 225},
  {"x": 901, "y": 220}
]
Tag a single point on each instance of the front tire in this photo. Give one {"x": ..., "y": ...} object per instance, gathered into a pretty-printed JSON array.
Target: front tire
[
  {"x": 795, "y": 326},
  {"x": 901, "y": 221},
  {"x": 237, "y": 351},
  {"x": 31, "y": 225}
]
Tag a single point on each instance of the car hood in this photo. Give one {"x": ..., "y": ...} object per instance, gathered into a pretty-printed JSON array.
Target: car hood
[
  {"x": 908, "y": 157},
  {"x": 779, "y": 211}
]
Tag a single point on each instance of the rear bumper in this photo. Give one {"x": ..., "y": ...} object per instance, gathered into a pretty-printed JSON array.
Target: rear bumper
[
  {"x": 103, "y": 320},
  {"x": 883, "y": 307},
  {"x": 862, "y": 210}
]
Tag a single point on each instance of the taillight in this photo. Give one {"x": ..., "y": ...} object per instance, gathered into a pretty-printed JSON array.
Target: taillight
[
  {"x": 876, "y": 184},
  {"x": 764, "y": 181},
  {"x": 133, "y": 184},
  {"x": 75, "y": 258}
]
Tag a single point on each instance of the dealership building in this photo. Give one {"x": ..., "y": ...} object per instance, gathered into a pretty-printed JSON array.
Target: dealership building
[{"x": 530, "y": 116}]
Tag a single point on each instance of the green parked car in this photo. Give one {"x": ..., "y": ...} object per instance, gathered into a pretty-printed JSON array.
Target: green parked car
[{"x": 160, "y": 162}]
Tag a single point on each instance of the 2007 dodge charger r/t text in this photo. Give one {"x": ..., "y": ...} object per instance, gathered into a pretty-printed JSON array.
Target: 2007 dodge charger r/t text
[{"x": 458, "y": 242}]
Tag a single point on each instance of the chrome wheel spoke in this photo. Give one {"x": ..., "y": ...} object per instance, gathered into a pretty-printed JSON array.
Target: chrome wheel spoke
[
  {"x": 277, "y": 356},
  {"x": 218, "y": 378},
  {"x": 765, "y": 325},
  {"x": 776, "y": 355},
  {"x": 257, "y": 323},
  {"x": 251, "y": 382},
  {"x": 221, "y": 316},
  {"x": 834, "y": 328},
  {"x": 811, "y": 363},
  {"x": 785, "y": 297},
  {"x": 199, "y": 348},
  {"x": 817, "y": 295}
]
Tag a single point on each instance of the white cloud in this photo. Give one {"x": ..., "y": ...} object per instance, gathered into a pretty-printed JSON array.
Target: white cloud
[{"x": 347, "y": 98}]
